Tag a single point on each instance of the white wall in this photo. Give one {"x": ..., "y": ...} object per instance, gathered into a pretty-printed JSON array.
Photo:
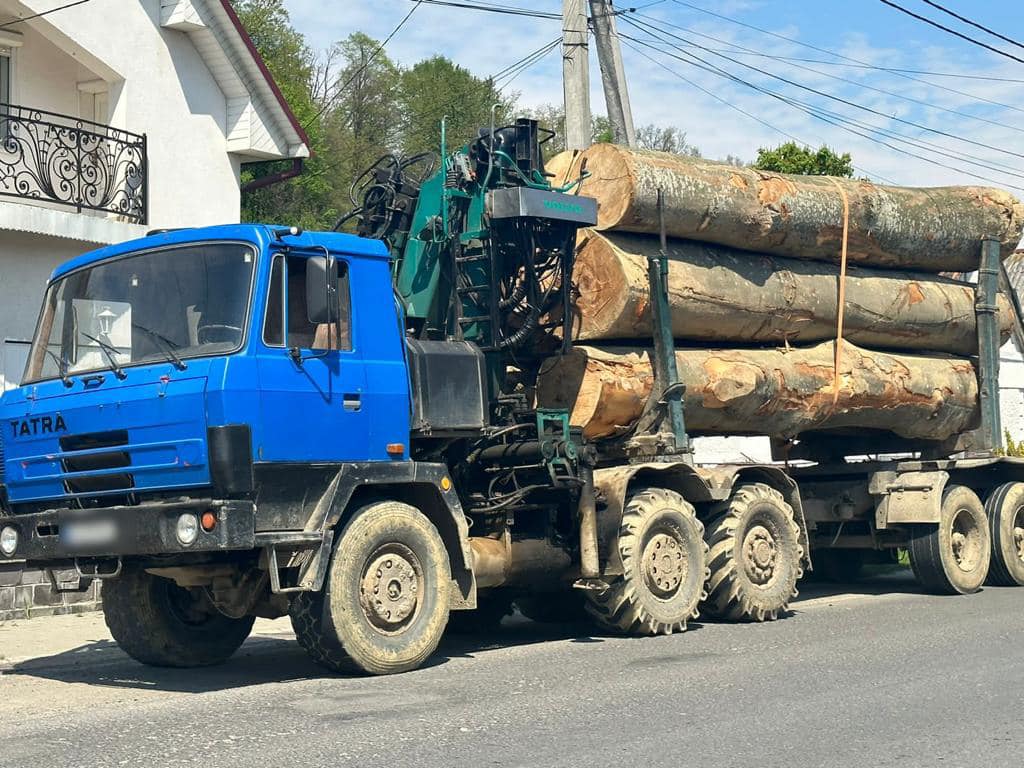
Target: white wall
[
  {"x": 165, "y": 91},
  {"x": 26, "y": 262},
  {"x": 1011, "y": 390}
]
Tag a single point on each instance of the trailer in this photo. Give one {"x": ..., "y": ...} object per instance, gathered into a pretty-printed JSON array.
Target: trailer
[{"x": 249, "y": 421}]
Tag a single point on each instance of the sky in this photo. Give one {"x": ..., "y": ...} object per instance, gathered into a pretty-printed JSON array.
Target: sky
[{"x": 965, "y": 130}]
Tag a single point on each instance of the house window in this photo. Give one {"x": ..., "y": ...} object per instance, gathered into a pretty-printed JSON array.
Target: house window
[
  {"x": 94, "y": 102},
  {"x": 301, "y": 332},
  {"x": 5, "y": 75}
]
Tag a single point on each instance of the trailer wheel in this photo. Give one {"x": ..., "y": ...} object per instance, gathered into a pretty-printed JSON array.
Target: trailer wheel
[
  {"x": 664, "y": 561},
  {"x": 953, "y": 557},
  {"x": 385, "y": 603},
  {"x": 1005, "y": 509},
  {"x": 158, "y": 623},
  {"x": 755, "y": 556}
]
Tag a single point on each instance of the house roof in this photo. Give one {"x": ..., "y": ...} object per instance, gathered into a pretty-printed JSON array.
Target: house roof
[
  {"x": 260, "y": 123},
  {"x": 261, "y": 65}
]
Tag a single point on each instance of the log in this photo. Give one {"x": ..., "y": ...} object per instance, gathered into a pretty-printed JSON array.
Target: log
[
  {"x": 768, "y": 391},
  {"x": 932, "y": 230},
  {"x": 720, "y": 294}
]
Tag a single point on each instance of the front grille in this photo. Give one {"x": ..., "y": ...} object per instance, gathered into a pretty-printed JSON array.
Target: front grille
[{"x": 93, "y": 462}]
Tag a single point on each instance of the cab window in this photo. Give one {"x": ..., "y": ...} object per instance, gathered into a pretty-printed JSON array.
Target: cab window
[{"x": 301, "y": 332}]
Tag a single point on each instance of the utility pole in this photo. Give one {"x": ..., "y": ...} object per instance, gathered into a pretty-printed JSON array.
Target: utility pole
[
  {"x": 576, "y": 74},
  {"x": 613, "y": 74}
]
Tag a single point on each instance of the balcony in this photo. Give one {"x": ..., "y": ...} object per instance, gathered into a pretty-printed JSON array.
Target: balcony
[{"x": 64, "y": 162}]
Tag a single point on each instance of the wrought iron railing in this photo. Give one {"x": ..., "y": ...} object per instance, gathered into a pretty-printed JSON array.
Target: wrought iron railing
[{"x": 55, "y": 158}]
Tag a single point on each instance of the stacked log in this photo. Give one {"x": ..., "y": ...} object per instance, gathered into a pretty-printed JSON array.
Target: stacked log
[
  {"x": 769, "y": 391},
  {"x": 719, "y": 294},
  {"x": 931, "y": 230},
  {"x": 753, "y": 270}
]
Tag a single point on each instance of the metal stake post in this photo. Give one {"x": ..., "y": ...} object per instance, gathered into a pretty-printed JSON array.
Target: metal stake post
[{"x": 987, "y": 314}]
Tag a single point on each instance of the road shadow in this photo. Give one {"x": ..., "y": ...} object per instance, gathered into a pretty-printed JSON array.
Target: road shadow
[
  {"x": 880, "y": 581},
  {"x": 264, "y": 659}
]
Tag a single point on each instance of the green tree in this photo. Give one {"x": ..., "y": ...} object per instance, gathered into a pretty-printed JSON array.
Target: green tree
[
  {"x": 436, "y": 89},
  {"x": 665, "y": 139},
  {"x": 362, "y": 121},
  {"x": 303, "y": 200},
  {"x": 792, "y": 158}
]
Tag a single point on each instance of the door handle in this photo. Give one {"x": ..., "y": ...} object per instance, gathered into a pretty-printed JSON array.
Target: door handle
[{"x": 352, "y": 401}]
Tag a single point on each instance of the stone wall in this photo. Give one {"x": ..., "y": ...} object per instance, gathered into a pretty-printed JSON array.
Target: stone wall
[{"x": 26, "y": 594}]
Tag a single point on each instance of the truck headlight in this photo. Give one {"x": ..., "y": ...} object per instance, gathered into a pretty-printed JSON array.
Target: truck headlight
[
  {"x": 187, "y": 529},
  {"x": 8, "y": 540}
]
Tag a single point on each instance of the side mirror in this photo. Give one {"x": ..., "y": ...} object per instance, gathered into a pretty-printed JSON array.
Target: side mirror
[{"x": 322, "y": 289}]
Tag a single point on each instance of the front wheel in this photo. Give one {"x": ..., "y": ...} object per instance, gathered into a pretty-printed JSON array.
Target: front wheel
[
  {"x": 953, "y": 557},
  {"x": 384, "y": 607},
  {"x": 158, "y": 623},
  {"x": 664, "y": 561}
]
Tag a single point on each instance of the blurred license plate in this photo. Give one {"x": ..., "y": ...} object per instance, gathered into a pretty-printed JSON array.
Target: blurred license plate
[{"x": 87, "y": 534}]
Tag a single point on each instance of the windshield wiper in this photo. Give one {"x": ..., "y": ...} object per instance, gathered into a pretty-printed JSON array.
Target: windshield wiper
[
  {"x": 62, "y": 367},
  {"x": 168, "y": 346},
  {"x": 110, "y": 351}
]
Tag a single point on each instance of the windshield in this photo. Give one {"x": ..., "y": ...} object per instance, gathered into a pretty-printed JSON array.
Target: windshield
[{"x": 170, "y": 304}]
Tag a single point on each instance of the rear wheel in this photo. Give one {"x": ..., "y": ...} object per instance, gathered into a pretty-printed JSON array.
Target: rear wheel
[
  {"x": 755, "y": 556},
  {"x": 953, "y": 557},
  {"x": 664, "y": 567},
  {"x": 158, "y": 623},
  {"x": 1005, "y": 509},
  {"x": 385, "y": 604}
]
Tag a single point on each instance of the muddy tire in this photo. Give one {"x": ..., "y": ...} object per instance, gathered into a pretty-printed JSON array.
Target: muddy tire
[
  {"x": 158, "y": 623},
  {"x": 953, "y": 557},
  {"x": 664, "y": 561},
  {"x": 384, "y": 607},
  {"x": 1005, "y": 510},
  {"x": 755, "y": 556}
]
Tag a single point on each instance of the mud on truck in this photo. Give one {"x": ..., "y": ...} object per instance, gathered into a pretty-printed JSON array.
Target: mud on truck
[{"x": 253, "y": 421}]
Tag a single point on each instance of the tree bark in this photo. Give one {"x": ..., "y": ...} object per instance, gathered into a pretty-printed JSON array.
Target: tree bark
[
  {"x": 720, "y": 294},
  {"x": 932, "y": 230},
  {"x": 769, "y": 391}
]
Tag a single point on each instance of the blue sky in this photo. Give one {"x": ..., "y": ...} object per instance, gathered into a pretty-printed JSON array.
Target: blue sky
[{"x": 866, "y": 30}]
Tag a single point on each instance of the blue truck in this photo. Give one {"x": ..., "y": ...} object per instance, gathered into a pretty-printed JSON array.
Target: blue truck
[{"x": 253, "y": 421}]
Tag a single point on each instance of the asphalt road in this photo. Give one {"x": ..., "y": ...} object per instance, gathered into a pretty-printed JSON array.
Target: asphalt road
[{"x": 848, "y": 679}]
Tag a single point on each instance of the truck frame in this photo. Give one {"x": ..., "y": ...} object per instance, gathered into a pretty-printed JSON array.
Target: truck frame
[{"x": 247, "y": 420}]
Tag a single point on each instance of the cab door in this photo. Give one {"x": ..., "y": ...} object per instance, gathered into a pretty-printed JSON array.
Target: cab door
[{"x": 312, "y": 377}]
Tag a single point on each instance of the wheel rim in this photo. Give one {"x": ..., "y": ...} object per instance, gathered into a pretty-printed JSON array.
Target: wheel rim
[
  {"x": 966, "y": 541},
  {"x": 1018, "y": 533},
  {"x": 390, "y": 588},
  {"x": 760, "y": 555},
  {"x": 665, "y": 565},
  {"x": 186, "y": 606}
]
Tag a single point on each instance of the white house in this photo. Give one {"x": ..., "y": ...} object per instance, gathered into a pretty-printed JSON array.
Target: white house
[{"x": 117, "y": 117}]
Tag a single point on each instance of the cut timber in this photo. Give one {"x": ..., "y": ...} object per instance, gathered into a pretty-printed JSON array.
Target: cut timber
[
  {"x": 768, "y": 391},
  {"x": 720, "y": 294},
  {"x": 933, "y": 230}
]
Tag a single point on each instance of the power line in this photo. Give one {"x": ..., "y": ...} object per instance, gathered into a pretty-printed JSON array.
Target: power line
[
  {"x": 974, "y": 24},
  {"x": 953, "y": 32},
  {"x": 628, "y": 41},
  {"x": 748, "y": 51},
  {"x": 10, "y": 24},
  {"x": 362, "y": 68},
  {"x": 513, "y": 71},
  {"x": 508, "y": 10},
  {"x": 827, "y": 95},
  {"x": 823, "y": 115},
  {"x": 793, "y": 40}
]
